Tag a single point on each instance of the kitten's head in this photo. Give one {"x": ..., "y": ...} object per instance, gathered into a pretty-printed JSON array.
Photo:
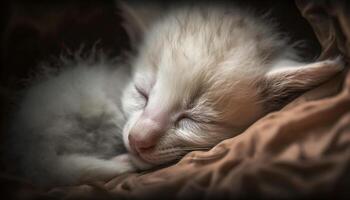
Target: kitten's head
[{"x": 195, "y": 83}]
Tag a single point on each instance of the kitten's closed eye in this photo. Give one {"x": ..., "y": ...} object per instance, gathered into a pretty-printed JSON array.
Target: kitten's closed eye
[
  {"x": 143, "y": 93},
  {"x": 184, "y": 121},
  {"x": 187, "y": 126}
]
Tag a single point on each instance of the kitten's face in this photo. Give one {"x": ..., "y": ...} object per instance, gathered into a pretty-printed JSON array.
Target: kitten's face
[
  {"x": 204, "y": 76},
  {"x": 179, "y": 109},
  {"x": 185, "y": 97}
]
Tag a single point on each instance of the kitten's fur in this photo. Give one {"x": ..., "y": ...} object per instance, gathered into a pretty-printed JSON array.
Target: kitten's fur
[
  {"x": 202, "y": 74},
  {"x": 69, "y": 124},
  {"x": 206, "y": 72}
]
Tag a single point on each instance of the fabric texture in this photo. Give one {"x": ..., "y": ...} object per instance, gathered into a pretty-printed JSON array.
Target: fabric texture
[{"x": 300, "y": 151}]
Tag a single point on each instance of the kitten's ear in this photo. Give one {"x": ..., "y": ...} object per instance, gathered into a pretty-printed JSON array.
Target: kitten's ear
[
  {"x": 138, "y": 16},
  {"x": 282, "y": 84}
]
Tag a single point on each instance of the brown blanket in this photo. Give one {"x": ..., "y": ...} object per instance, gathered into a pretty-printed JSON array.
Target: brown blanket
[{"x": 301, "y": 151}]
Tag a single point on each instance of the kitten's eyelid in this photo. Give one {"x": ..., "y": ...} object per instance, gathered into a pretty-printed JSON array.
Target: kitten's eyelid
[
  {"x": 141, "y": 91},
  {"x": 184, "y": 116},
  {"x": 179, "y": 121}
]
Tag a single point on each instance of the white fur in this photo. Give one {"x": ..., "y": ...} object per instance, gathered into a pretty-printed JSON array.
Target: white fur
[
  {"x": 68, "y": 126},
  {"x": 208, "y": 62}
]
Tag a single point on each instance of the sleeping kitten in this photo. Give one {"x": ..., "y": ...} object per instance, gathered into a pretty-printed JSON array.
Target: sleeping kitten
[
  {"x": 68, "y": 128},
  {"x": 202, "y": 74},
  {"x": 205, "y": 73}
]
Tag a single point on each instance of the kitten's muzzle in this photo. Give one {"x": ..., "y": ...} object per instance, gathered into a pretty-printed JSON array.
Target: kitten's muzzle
[
  {"x": 144, "y": 135},
  {"x": 141, "y": 146}
]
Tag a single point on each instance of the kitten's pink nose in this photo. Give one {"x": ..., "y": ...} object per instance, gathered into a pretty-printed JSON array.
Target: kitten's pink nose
[{"x": 144, "y": 135}]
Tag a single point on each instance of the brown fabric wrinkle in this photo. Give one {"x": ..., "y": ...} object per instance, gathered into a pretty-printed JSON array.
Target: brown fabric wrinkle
[
  {"x": 111, "y": 183},
  {"x": 300, "y": 125},
  {"x": 316, "y": 14},
  {"x": 273, "y": 177},
  {"x": 340, "y": 139},
  {"x": 330, "y": 21},
  {"x": 342, "y": 26},
  {"x": 201, "y": 186},
  {"x": 201, "y": 157}
]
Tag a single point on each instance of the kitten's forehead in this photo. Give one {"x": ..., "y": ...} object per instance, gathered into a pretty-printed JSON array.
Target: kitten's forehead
[
  {"x": 194, "y": 56},
  {"x": 191, "y": 42}
]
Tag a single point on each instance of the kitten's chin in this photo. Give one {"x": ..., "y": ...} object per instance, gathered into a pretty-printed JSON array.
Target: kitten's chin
[{"x": 139, "y": 163}]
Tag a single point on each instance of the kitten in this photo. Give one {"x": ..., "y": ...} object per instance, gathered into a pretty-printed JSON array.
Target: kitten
[
  {"x": 205, "y": 73},
  {"x": 202, "y": 74},
  {"x": 68, "y": 128}
]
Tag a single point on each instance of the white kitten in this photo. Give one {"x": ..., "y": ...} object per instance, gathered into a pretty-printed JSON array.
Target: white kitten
[
  {"x": 203, "y": 74},
  {"x": 68, "y": 128}
]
